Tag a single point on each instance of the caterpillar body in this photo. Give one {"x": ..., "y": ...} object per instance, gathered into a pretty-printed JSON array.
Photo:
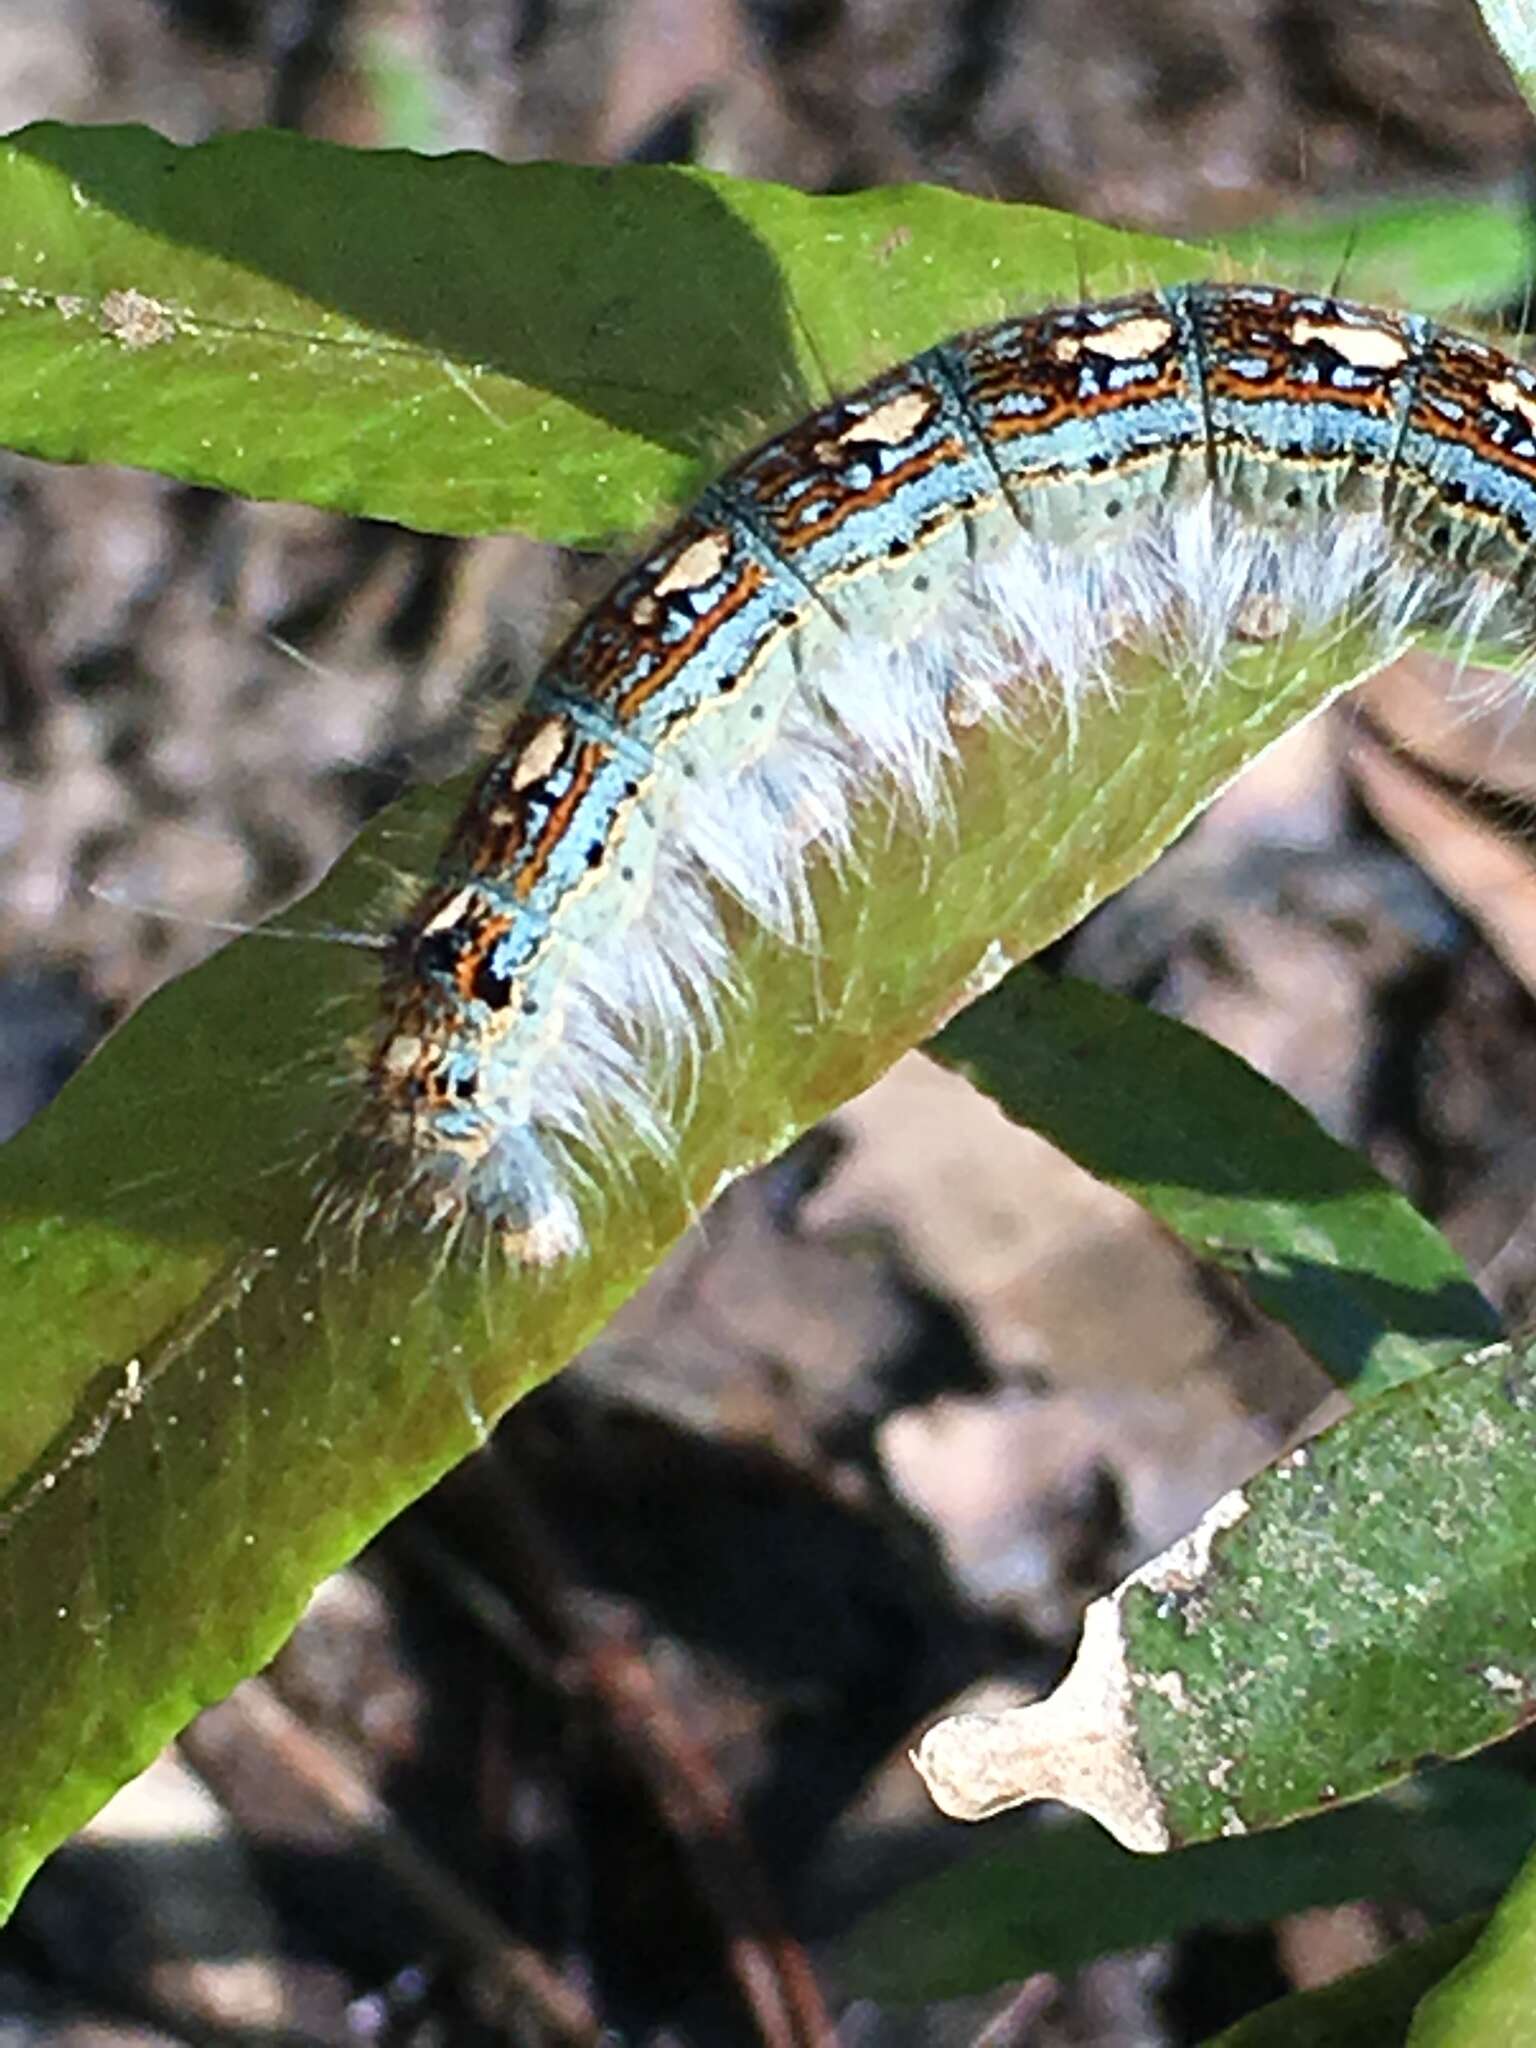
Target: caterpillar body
[{"x": 997, "y": 515}]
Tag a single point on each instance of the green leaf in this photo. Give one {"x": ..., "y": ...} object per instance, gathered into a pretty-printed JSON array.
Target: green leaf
[
  {"x": 1490, "y": 1998},
  {"x": 1358, "y": 1610},
  {"x": 1235, "y": 1168},
  {"x": 210, "y": 1403},
  {"x": 1447, "y": 256},
  {"x": 1059, "y": 1895},
  {"x": 1371, "y": 1610},
  {"x": 469, "y": 346},
  {"x": 165, "y": 1522},
  {"x": 1367, "y": 2009}
]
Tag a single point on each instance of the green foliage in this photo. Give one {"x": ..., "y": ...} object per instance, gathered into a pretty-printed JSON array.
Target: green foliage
[
  {"x": 214, "y": 1402},
  {"x": 1368, "y": 1611},
  {"x": 465, "y": 346},
  {"x": 1059, "y": 1893},
  {"x": 1371, "y": 2008},
  {"x": 1233, "y": 1167},
  {"x": 1462, "y": 259},
  {"x": 1491, "y": 1995}
]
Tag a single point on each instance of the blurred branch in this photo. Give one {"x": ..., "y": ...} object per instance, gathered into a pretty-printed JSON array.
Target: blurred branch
[
  {"x": 608, "y": 1668},
  {"x": 508, "y": 1980}
]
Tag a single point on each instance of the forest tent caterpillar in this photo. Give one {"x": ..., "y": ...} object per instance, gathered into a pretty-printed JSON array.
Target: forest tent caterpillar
[{"x": 1179, "y": 469}]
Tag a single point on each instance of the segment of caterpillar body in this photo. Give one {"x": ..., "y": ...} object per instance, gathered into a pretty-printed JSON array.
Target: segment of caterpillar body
[{"x": 1002, "y": 513}]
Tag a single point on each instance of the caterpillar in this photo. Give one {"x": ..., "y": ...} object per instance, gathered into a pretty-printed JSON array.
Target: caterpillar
[{"x": 998, "y": 515}]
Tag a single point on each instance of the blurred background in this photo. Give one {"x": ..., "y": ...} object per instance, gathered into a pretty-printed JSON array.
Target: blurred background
[{"x": 606, "y": 1739}]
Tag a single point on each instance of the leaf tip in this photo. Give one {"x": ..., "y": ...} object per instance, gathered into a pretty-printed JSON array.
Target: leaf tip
[{"x": 1077, "y": 1746}]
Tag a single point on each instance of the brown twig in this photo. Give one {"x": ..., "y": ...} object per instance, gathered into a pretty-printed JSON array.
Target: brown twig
[
  {"x": 507, "y": 1976},
  {"x": 771, "y": 1968},
  {"x": 1013, "y": 2026}
]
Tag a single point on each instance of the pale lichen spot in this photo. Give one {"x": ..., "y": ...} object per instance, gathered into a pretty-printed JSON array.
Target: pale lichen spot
[
  {"x": 540, "y": 755},
  {"x": 1169, "y": 1686},
  {"x": 645, "y": 610},
  {"x": 699, "y": 563},
  {"x": 1367, "y": 348},
  {"x": 1184, "y": 1564},
  {"x": 1498, "y": 1680},
  {"x": 897, "y": 420},
  {"x": 1507, "y": 395},
  {"x": 132, "y": 1390},
  {"x": 136, "y": 320}
]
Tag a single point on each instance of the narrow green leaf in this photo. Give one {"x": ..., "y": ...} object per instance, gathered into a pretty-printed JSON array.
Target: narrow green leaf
[
  {"x": 1364, "y": 1607},
  {"x": 1454, "y": 257},
  {"x": 1235, "y": 1168},
  {"x": 1367, "y": 2009},
  {"x": 470, "y": 346},
  {"x": 1058, "y": 1896},
  {"x": 1490, "y": 1998}
]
